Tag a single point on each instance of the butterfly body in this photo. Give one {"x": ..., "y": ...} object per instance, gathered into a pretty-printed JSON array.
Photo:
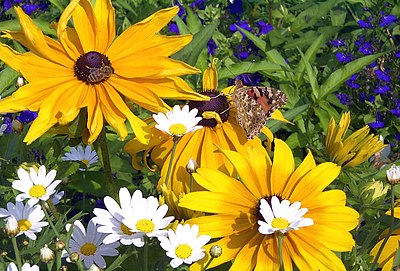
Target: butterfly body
[{"x": 254, "y": 105}]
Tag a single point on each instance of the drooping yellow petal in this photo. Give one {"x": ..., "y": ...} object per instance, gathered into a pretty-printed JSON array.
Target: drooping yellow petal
[
  {"x": 95, "y": 119},
  {"x": 277, "y": 115}
]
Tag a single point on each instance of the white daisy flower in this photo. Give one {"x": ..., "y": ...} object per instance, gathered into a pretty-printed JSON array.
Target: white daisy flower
[
  {"x": 281, "y": 216},
  {"x": 28, "y": 217},
  {"x": 184, "y": 245},
  {"x": 178, "y": 122},
  {"x": 87, "y": 156},
  {"x": 146, "y": 218},
  {"x": 35, "y": 186},
  {"x": 25, "y": 267},
  {"x": 3, "y": 128},
  {"x": 89, "y": 244},
  {"x": 111, "y": 219}
]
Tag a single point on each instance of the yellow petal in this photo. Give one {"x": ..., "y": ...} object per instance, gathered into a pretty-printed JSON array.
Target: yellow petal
[
  {"x": 210, "y": 77},
  {"x": 246, "y": 259},
  {"x": 86, "y": 27},
  {"x": 282, "y": 167},
  {"x": 95, "y": 119},
  {"x": 105, "y": 17},
  {"x": 277, "y": 115}
]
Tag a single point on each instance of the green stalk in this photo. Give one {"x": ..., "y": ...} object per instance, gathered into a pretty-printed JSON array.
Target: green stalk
[
  {"x": 16, "y": 251},
  {"x": 390, "y": 229},
  {"x": 280, "y": 242},
  {"x": 176, "y": 139},
  {"x": 208, "y": 263},
  {"x": 102, "y": 152},
  {"x": 48, "y": 218},
  {"x": 146, "y": 255}
]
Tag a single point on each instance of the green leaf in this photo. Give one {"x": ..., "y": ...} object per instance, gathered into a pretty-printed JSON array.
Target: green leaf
[
  {"x": 248, "y": 67},
  {"x": 193, "y": 21},
  {"x": 338, "y": 17},
  {"x": 309, "y": 56},
  {"x": 312, "y": 77},
  {"x": 57, "y": 4},
  {"x": 183, "y": 28},
  {"x": 260, "y": 43},
  {"x": 311, "y": 15},
  {"x": 338, "y": 77},
  {"x": 8, "y": 77},
  {"x": 191, "y": 52}
]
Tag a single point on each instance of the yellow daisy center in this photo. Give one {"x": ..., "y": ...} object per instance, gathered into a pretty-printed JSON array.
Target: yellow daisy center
[
  {"x": 145, "y": 225},
  {"x": 86, "y": 162},
  {"x": 280, "y": 223},
  {"x": 24, "y": 224},
  {"x": 37, "y": 191},
  {"x": 183, "y": 251},
  {"x": 125, "y": 229},
  {"x": 177, "y": 129},
  {"x": 88, "y": 249}
]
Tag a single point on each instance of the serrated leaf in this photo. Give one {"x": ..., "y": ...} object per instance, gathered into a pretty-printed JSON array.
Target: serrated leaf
[
  {"x": 338, "y": 77},
  {"x": 191, "y": 52}
]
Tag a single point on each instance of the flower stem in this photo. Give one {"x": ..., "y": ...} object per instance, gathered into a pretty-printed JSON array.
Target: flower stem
[
  {"x": 48, "y": 218},
  {"x": 176, "y": 139},
  {"x": 208, "y": 263},
  {"x": 16, "y": 251},
  {"x": 53, "y": 209},
  {"x": 102, "y": 152},
  {"x": 389, "y": 232},
  {"x": 146, "y": 256},
  {"x": 280, "y": 242}
]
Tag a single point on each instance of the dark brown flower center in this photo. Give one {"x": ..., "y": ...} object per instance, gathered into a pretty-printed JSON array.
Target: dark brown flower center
[
  {"x": 218, "y": 103},
  {"x": 93, "y": 68}
]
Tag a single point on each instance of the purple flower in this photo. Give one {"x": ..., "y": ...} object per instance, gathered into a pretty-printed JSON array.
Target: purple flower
[
  {"x": 344, "y": 57},
  {"x": 211, "y": 46},
  {"x": 352, "y": 82},
  {"x": 173, "y": 27},
  {"x": 397, "y": 54},
  {"x": 382, "y": 75},
  {"x": 381, "y": 89},
  {"x": 397, "y": 136},
  {"x": 378, "y": 123},
  {"x": 243, "y": 24},
  {"x": 395, "y": 112},
  {"x": 364, "y": 47},
  {"x": 363, "y": 97},
  {"x": 7, "y": 5},
  {"x": 387, "y": 20},
  {"x": 236, "y": 7},
  {"x": 365, "y": 24},
  {"x": 200, "y": 4},
  {"x": 249, "y": 79},
  {"x": 8, "y": 119},
  {"x": 264, "y": 28},
  {"x": 27, "y": 116},
  {"x": 29, "y": 8},
  {"x": 344, "y": 98},
  {"x": 339, "y": 43},
  {"x": 181, "y": 11}
]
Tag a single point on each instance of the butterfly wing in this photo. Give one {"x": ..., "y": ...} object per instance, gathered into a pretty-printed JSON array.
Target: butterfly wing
[{"x": 254, "y": 105}]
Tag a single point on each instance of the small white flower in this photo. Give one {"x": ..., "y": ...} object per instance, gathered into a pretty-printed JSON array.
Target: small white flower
[
  {"x": 28, "y": 217},
  {"x": 25, "y": 267},
  {"x": 3, "y": 128},
  {"x": 89, "y": 244},
  {"x": 178, "y": 122},
  {"x": 146, "y": 218},
  {"x": 46, "y": 254},
  {"x": 393, "y": 174},
  {"x": 36, "y": 185},
  {"x": 111, "y": 219},
  {"x": 87, "y": 156},
  {"x": 11, "y": 228},
  {"x": 184, "y": 245},
  {"x": 281, "y": 216}
]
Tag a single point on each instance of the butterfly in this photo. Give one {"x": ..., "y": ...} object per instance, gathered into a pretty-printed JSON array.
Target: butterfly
[{"x": 254, "y": 105}]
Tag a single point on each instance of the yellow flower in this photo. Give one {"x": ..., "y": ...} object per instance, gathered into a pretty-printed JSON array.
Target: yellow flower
[
  {"x": 355, "y": 149},
  {"x": 88, "y": 67},
  {"x": 236, "y": 212}
]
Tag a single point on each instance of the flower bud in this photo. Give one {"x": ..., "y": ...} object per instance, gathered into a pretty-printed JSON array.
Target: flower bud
[
  {"x": 11, "y": 229},
  {"x": 17, "y": 126},
  {"x": 215, "y": 251},
  {"x": 20, "y": 82},
  {"x": 191, "y": 166},
  {"x": 74, "y": 257},
  {"x": 25, "y": 243},
  {"x": 63, "y": 268},
  {"x": 393, "y": 174},
  {"x": 59, "y": 244},
  {"x": 46, "y": 254},
  {"x": 95, "y": 268}
]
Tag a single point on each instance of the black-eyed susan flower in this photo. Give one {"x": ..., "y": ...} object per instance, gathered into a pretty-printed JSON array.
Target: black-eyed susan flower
[
  {"x": 271, "y": 194},
  {"x": 220, "y": 128},
  {"x": 88, "y": 67},
  {"x": 353, "y": 150},
  {"x": 184, "y": 245}
]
